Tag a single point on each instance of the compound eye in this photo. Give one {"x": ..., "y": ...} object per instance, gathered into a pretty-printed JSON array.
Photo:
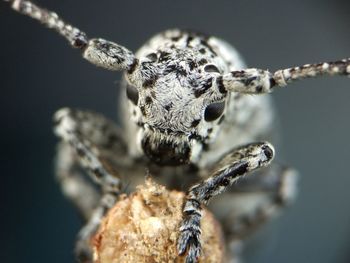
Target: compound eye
[
  {"x": 132, "y": 94},
  {"x": 211, "y": 68},
  {"x": 214, "y": 111}
]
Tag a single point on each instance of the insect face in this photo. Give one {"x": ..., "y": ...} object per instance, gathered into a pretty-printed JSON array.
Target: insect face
[
  {"x": 180, "y": 86},
  {"x": 177, "y": 104}
]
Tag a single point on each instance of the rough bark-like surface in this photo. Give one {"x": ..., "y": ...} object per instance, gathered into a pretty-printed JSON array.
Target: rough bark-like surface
[{"x": 143, "y": 227}]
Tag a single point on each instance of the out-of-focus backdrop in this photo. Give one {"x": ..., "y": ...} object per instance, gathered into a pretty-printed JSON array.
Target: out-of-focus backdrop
[{"x": 40, "y": 73}]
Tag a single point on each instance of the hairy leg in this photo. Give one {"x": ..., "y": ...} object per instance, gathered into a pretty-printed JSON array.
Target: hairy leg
[
  {"x": 93, "y": 142},
  {"x": 73, "y": 181},
  {"x": 253, "y": 201},
  {"x": 234, "y": 165}
]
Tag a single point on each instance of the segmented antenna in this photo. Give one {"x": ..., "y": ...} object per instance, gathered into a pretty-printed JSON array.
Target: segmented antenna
[
  {"x": 258, "y": 81},
  {"x": 285, "y": 76},
  {"x": 76, "y": 38}
]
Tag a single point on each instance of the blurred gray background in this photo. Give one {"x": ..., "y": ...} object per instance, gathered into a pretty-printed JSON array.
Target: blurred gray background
[{"x": 41, "y": 73}]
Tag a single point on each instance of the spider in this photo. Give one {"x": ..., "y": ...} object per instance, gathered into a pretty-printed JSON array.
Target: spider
[{"x": 188, "y": 118}]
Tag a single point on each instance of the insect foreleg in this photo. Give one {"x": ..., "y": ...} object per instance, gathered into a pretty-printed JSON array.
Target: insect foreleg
[{"x": 234, "y": 165}]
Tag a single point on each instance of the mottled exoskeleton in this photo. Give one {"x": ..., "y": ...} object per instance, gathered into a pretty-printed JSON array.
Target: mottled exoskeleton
[{"x": 189, "y": 120}]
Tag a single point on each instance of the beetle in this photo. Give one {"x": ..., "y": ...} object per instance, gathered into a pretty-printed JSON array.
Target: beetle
[{"x": 182, "y": 98}]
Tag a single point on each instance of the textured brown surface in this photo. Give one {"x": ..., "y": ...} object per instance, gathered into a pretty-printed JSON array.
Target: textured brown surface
[{"x": 143, "y": 227}]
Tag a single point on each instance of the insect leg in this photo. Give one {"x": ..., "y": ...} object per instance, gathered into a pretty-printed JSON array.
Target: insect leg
[
  {"x": 98, "y": 51},
  {"x": 82, "y": 247},
  {"x": 74, "y": 184},
  {"x": 254, "y": 200},
  {"x": 234, "y": 165},
  {"x": 93, "y": 139}
]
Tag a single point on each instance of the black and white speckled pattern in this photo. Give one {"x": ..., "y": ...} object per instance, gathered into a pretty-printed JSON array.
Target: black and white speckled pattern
[{"x": 185, "y": 94}]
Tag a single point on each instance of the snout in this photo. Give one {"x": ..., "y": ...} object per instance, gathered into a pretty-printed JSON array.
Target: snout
[{"x": 166, "y": 150}]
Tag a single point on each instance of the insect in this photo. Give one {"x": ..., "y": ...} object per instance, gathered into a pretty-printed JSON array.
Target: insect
[{"x": 186, "y": 100}]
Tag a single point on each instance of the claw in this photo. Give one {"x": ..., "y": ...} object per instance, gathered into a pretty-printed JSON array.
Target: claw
[
  {"x": 182, "y": 244},
  {"x": 189, "y": 241},
  {"x": 194, "y": 250},
  {"x": 190, "y": 231}
]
